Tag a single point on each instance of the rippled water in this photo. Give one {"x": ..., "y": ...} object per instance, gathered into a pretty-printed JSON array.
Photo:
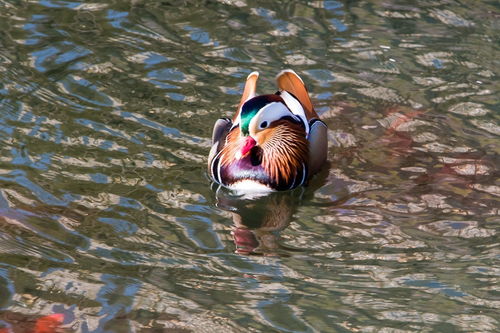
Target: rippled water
[{"x": 107, "y": 215}]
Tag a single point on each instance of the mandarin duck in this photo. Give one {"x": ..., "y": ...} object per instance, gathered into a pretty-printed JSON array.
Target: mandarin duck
[{"x": 274, "y": 142}]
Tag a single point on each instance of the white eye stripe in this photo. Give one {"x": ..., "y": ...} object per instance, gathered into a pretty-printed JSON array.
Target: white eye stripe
[{"x": 269, "y": 113}]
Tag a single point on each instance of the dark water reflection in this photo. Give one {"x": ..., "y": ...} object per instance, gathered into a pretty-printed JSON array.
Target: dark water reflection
[{"x": 107, "y": 216}]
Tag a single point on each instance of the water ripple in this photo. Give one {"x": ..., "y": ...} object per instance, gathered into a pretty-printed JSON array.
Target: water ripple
[{"x": 108, "y": 219}]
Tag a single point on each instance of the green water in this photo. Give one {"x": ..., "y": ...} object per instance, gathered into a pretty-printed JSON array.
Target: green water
[{"x": 107, "y": 215}]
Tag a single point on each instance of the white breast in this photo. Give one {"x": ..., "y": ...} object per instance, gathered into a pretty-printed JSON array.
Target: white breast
[{"x": 250, "y": 189}]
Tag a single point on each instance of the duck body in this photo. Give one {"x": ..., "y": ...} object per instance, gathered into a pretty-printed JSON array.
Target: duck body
[{"x": 274, "y": 142}]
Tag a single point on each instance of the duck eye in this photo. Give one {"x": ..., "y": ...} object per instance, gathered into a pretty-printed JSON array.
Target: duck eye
[{"x": 263, "y": 124}]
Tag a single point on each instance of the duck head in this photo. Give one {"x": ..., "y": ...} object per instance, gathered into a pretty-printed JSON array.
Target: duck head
[{"x": 259, "y": 121}]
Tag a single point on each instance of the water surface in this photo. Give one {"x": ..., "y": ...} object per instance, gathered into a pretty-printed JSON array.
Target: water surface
[{"x": 107, "y": 215}]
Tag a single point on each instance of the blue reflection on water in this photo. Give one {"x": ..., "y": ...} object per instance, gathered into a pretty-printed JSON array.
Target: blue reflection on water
[
  {"x": 200, "y": 230},
  {"x": 19, "y": 177},
  {"x": 47, "y": 57},
  {"x": 99, "y": 178},
  {"x": 6, "y": 287},
  {"x": 116, "y": 297},
  {"x": 433, "y": 284},
  {"x": 85, "y": 90},
  {"x": 339, "y": 26},
  {"x": 332, "y": 5},
  {"x": 120, "y": 225},
  {"x": 59, "y": 4}
]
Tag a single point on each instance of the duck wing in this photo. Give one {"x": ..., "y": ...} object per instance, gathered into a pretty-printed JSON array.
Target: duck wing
[
  {"x": 221, "y": 128},
  {"x": 289, "y": 81},
  {"x": 317, "y": 136}
]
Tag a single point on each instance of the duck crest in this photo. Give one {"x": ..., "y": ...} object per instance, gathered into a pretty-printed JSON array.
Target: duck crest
[{"x": 275, "y": 142}]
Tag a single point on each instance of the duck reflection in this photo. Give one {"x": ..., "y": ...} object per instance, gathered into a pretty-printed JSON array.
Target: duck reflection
[{"x": 258, "y": 221}]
